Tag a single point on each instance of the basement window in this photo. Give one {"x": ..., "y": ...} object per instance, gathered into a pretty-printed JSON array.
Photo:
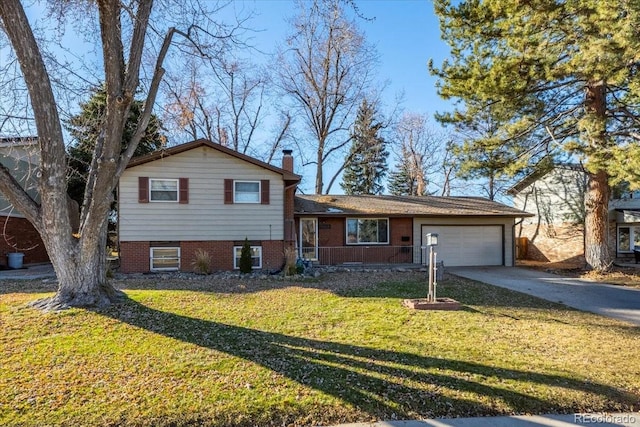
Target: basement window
[{"x": 165, "y": 259}]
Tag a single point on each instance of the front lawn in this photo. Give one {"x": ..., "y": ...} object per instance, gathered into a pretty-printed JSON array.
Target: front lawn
[{"x": 342, "y": 348}]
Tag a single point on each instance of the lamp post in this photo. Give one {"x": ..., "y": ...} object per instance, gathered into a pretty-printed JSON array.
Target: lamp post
[{"x": 432, "y": 240}]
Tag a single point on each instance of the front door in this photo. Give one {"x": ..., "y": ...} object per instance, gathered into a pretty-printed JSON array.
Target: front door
[{"x": 309, "y": 238}]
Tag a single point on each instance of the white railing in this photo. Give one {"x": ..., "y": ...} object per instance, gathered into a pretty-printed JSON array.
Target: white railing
[{"x": 365, "y": 254}]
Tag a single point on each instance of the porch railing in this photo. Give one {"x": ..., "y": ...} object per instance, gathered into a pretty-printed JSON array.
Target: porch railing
[{"x": 365, "y": 254}]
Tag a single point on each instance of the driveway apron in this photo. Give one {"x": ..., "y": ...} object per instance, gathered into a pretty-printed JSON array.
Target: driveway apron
[{"x": 618, "y": 302}]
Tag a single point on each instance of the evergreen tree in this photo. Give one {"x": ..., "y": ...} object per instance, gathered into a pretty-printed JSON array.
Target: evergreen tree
[
  {"x": 366, "y": 163},
  {"x": 85, "y": 129},
  {"x": 246, "y": 264},
  {"x": 555, "y": 73},
  {"x": 487, "y": 154}
]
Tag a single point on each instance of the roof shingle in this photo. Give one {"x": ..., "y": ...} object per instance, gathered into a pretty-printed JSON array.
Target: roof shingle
[{"x": 402, "y": 205}]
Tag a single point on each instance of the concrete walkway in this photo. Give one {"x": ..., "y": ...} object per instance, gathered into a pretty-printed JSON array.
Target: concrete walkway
[
  {"x": 29, "y": 272},
  {"x": 595, "y": 420},
  {"x": 618, "y": 302}
]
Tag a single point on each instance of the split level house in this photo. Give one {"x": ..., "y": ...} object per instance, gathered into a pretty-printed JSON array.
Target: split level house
[
  {"x": 555, "y": 229},
  {"x": 202, "y": 195},
  {"x": 20, "y": 157}
]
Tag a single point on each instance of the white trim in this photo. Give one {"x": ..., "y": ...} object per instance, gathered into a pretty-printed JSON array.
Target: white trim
[
  {"x": 346, "y": 224},
  {"x": 236, "y": 259},
  {"x": 634, "y": 232},
  {"x": 151, "y": 258},
  {"x": 177, "y": 181},
  {"x": 247, "y": 182}
]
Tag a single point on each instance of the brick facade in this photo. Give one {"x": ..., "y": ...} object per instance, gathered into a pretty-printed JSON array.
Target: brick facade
[
  {"x": 20, "y": 232},
  {"x": 134, "y": 256},
  {"x": 333, "y": 249}
]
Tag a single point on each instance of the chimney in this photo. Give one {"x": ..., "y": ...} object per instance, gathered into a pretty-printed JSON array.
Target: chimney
[{"x": 287, "y": 160}]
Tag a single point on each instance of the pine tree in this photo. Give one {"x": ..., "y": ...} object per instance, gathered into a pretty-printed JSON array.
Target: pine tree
[
  {"x": 366, "y": 163},
  {"x": 556, "y": 74},
  {"x": 487, "y": 154},
  {"x": 246, "y": 264}
]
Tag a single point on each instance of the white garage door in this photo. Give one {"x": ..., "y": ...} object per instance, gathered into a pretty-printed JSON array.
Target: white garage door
[{"x": 460, "y": 245}]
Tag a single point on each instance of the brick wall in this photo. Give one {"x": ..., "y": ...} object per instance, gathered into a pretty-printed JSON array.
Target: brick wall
[
  {"x": 134, "y": 256},
  {"x": 20, "y": 232},
  {"x": 334, "y": 250}
]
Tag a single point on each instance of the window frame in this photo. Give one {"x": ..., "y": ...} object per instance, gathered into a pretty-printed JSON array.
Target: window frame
[
  {"x": 634, "y": 233},
  {"x": 152, "y": 258},
  {"x": 177, "y": 182},
  {"x": 237, "y": 250},
  {"x": 259, "y": 192},
  {"x": 358, "y": 242}
]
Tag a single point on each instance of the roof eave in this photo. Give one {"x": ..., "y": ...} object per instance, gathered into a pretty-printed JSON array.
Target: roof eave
[{"x": 171, "y": 151}]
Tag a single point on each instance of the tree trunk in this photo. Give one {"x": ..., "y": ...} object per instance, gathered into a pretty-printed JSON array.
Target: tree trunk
[
  {"x": 82, "y": 275},
  {"x": 596, "y": 201},
  {"x": 596, "y": 224},
  {"x": 319, "y": 177}
]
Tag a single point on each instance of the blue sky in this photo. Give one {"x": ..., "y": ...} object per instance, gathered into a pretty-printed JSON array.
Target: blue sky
[{"x": 406, "y": 35}]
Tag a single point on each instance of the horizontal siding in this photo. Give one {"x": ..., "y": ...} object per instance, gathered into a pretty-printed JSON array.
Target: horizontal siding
[
  {"x": 557, "y": 198},
  {"x": 205, "y": 217}
]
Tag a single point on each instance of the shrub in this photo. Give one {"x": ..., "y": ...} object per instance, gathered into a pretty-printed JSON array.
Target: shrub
[
  {"x": 245, "y": 258},
  {"x": 290, "y": 256},
  {"x": 202, "y": 262}
]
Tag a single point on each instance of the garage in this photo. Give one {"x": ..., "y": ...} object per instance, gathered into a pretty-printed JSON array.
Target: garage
[{"x": 467, "y": 245}]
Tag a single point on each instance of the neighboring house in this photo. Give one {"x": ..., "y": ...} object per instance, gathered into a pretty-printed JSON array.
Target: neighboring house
[
  {"x": 202, "y": 195},
  {"x": 337, "y": 229},
  {"x": 20, "y": 156},
  {"x": 556, "y": 231}
]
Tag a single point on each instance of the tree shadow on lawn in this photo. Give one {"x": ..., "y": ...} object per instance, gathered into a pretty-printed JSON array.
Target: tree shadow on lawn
[{"x": 384, "y": 384}]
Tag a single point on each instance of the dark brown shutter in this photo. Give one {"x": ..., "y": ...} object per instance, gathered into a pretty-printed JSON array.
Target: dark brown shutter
[
  {"x": 264, "y": 188},
  {"x": 228, "y": 191},
  {"x": 184, "y": 190},
  {"x": 143, "y": 189}
]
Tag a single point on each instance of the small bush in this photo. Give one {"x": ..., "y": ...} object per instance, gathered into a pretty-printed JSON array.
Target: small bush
[
  {"x": 246, "y": 265},
  {"x": 202, "y": 262},
  {"x": 290, "y": 256}
]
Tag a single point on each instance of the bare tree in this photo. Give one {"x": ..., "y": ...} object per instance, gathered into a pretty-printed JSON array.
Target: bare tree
[
  {"x": 125, "y": 30},
  {"x": 325, "y": 71},
  {"x": 419, "y": 158},
  {"x": 224, "y": 101}
]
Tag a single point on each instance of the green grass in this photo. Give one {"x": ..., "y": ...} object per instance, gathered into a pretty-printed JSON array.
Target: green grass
[{"x": 244, "y": 353}]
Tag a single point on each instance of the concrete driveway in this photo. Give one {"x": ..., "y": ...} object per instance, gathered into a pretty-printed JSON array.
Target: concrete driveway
[{"x": 608, "y": 300}]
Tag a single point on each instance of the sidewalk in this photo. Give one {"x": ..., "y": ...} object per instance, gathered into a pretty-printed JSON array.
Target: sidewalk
[
  {"x": 29, "y": 272},
  {"x": 595, "y": 420}
]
